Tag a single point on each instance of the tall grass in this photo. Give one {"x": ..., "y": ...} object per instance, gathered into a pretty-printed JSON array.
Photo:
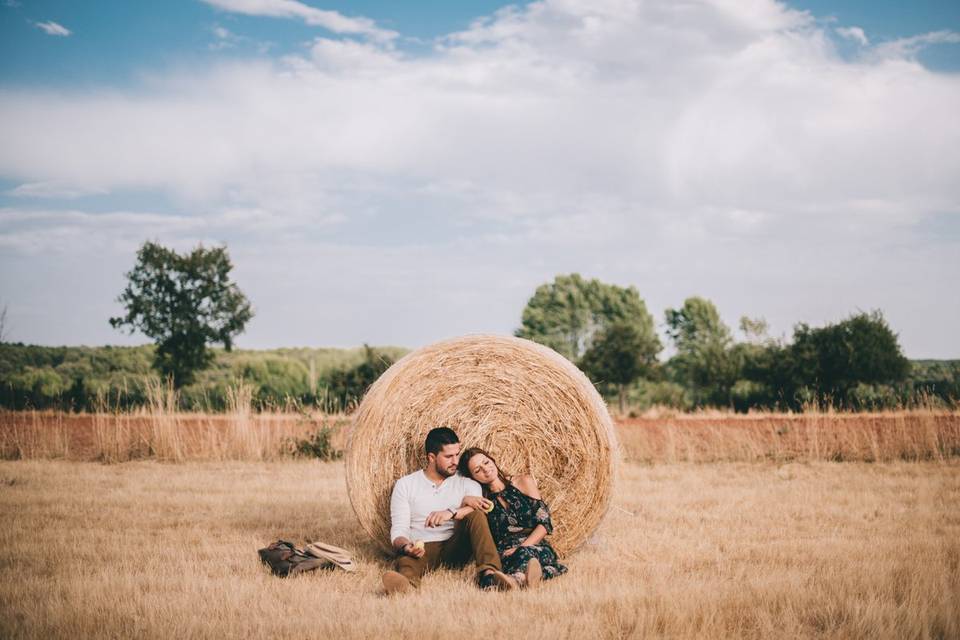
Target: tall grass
[
  {"x": 162, "y": 432},
  {"x": 867, "y": 437}
]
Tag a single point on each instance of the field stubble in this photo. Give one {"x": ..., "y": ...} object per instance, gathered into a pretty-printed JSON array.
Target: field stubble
[{"x": 757, "y": 550}]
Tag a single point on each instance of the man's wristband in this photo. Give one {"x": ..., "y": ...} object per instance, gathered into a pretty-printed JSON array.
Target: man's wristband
[{"x": 453, "y": 512}]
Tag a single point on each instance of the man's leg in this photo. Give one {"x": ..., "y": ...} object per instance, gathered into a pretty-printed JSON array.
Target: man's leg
[
  {"x": 412, "y": 569},
  {"x": 471, "y": 538}
]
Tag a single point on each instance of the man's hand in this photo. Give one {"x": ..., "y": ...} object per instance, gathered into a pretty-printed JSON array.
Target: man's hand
[
  {"x": 478, "y": 503},
  {"x": 509, "y": 552},
  {"x": 405, "y": 547},
  {"x": 436, "y": 518}
]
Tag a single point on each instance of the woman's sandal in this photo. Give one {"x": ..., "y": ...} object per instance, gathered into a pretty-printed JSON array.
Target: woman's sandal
[{"x": 492, "y": 579}]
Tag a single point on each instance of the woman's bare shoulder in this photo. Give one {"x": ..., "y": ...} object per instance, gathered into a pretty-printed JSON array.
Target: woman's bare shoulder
[{"x": 528, "y": 485}]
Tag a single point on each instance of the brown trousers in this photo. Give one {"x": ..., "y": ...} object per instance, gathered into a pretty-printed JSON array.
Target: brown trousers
[{"x": 471, "y": 538}]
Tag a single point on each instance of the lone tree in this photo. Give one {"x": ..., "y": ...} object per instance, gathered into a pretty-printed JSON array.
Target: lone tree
[
  {"x": 183, "y": 302},
  {"x": 566, "y": 313},
  {"x": 619, "y": 355}
]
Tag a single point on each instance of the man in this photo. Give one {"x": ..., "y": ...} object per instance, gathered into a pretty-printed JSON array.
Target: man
[{"x": 437, "y": 517}]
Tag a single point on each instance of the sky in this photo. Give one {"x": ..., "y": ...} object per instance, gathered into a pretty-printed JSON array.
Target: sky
[{"x": 403, "y": 172}]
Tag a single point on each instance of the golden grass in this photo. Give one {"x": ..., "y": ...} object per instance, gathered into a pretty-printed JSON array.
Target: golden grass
[
  {"x": 867, "y": 437},
  {"x": 167, "y": 436},
  {"x": 153, "y": 550},
  {"x": 669, "y": 438}
]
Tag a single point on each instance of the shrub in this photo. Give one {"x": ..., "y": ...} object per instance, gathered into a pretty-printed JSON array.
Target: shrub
[{"x": 317, "y": 445}]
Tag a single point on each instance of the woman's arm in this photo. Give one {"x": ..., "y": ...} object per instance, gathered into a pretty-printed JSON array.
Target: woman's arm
[
  {"x": 539, "y": 533},
  {"x": 474, "y": 502},
  {"x": 462, "y": 512},
  {"x": 544, "y": 526},
  {"x": 527, "y": 485}
]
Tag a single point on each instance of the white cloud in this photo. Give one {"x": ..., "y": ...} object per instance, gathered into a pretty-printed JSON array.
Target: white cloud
[
  {"x": 716, "y": 148},
  {"x": 51, "y": 28},
  {"x": 223, "y": 38},
  {"x": 53, "y": 190},
  {"x": 908, "y": 48},
  {"x": 595, "y": 98},
  {"x": 330, "y": 20},
  {"x": 853, "y": 33},
  {"x": 44, "y": 231}
]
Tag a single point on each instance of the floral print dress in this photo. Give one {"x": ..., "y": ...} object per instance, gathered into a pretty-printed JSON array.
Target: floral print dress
[{"x": 512, "y": 524}]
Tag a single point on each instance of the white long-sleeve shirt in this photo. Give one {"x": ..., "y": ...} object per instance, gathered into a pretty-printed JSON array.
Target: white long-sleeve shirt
[{"x": 415, "y": 496}]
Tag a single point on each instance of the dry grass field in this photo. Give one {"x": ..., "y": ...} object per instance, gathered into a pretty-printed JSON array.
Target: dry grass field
[
  {"x": 665, "y": 437},
  {"x": 755, "y": 550}
]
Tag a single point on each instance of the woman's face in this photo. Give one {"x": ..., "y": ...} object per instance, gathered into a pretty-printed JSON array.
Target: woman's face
[{"x": 482, "y": 469}]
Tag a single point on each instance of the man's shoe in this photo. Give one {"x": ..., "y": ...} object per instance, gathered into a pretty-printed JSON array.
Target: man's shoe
[
  {"x": 395, "y": 582},
  {"x": 486, "y": 582},
  {"x": 497, "y": 580},
  {"x": 534, "y": 573}
]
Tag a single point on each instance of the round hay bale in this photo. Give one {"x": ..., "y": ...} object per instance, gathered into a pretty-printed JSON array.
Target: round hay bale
[{"x": 527, "y": 405}]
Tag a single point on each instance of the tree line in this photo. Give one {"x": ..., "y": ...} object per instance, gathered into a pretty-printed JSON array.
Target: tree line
[
  {"x": 853, "y": 364},
  {"x": 187, "y": 304}
]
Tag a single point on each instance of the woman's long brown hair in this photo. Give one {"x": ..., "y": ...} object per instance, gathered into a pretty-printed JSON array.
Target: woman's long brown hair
[{"x": 465, "y": 467}]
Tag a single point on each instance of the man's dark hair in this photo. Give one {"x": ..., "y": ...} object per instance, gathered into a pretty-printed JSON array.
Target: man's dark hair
[{"x": 439, "y": 437}]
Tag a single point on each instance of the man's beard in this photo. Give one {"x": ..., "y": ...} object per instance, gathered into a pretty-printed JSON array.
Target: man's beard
[{"x": 447, "y": 473}]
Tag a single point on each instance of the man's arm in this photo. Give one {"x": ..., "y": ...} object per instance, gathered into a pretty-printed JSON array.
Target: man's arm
[{"x": 400, "y": 521}]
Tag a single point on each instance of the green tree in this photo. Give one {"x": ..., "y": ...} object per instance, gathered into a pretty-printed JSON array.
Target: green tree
[
  {"x": 566, "y": 313},
  {"x": 183, "y": 303},
  {"x": 856, "y": 363},
  {"x": 619, "y": 355},
  {"x": 346, "y": 386},
  {"x": 755, "y": 329},
  {"x": 705, "y": 362},
  {"x": 833, "y": 360}
]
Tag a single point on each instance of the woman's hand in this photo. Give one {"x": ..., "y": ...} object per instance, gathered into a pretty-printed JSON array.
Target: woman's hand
[
  {"x": 509, "y": 552},
  {"x": 476, "y": 502}
]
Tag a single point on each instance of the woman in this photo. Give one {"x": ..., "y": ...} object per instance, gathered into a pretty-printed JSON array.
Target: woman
[{"x": 519, "y": 520}]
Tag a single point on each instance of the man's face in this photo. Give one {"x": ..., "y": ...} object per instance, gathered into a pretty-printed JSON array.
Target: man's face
[{"x": 446, "y": 459}]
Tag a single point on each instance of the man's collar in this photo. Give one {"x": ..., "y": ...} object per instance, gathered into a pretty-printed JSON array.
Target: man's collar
[{"x": 443, "y": 478}]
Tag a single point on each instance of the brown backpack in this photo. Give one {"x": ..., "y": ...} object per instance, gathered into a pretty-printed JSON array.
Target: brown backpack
[{"x": 285, "y": 559}]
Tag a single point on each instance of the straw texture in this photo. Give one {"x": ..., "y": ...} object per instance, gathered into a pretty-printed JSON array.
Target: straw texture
[{"x": 532, "y": 409}]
